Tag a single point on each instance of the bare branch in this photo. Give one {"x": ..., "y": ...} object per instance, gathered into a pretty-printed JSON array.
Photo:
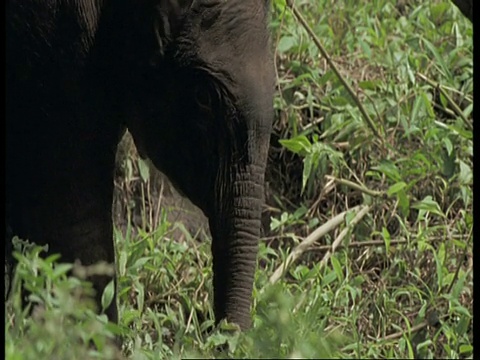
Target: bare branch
[{"x": 312, "y": 238}]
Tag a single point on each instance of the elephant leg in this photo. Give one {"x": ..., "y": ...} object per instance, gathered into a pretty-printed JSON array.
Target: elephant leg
[
  {"x": 89, "y": 240},
  {"x": 61, "y": 194}
]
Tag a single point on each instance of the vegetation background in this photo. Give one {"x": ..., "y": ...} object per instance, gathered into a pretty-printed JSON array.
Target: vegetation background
[{"x": 367, "y": 246}]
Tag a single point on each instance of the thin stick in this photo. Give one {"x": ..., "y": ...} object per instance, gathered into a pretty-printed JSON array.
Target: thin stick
[
  {"x": 355, "y": 186},
  {"x": 452, "y": 103},
  {"x": 358, "y": 244},
  {"x": 312, "y": 238},
  {"x": 373, "y": 242},
  {"x": 413, "y": 329},
  {"x": 324, "y": 53},
  {"x": 359, "y": 216},
  {"x": 459, "y": 261}
]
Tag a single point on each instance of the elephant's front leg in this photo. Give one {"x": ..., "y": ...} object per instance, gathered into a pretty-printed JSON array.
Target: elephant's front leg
[
  {"x": 89, "y": 241},
  {"x": 87, "y": 234},
  {"x": 61, "y": 195}
]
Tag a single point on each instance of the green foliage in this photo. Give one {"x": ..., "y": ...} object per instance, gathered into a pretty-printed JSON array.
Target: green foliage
[
  {"x": 59, "y": 321},
  {"x": 315, "y": 154},
  {"x": 410, "y": 65}
]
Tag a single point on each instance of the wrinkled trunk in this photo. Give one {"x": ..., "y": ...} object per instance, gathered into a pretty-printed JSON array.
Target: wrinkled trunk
[{"x": 236, "y": 233}]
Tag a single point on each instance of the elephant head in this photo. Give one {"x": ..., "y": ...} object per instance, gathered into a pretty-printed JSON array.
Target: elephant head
[{"x": 203, "y": 108}]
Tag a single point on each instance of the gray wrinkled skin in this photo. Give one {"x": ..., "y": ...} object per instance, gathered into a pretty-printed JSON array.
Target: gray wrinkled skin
[{"x": 193, "y": 82}]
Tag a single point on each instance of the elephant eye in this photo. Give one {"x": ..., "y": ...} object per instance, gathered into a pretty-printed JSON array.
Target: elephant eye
[{"x": 203, "y": 98}]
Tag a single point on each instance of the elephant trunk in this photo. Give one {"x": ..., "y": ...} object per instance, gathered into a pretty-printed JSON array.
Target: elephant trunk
[{"x": 236, "y": 235}]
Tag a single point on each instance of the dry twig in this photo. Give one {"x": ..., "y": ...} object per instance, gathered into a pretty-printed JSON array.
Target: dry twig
[
  {"x": 312, "y": 238},
  {"x": 355, "y": 186},
  {"x": 360, "y": 214},
  {"x": 452, "y": 103}
]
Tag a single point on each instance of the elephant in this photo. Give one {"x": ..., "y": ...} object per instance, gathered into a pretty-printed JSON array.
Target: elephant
[{"x": 193, "y": 82}]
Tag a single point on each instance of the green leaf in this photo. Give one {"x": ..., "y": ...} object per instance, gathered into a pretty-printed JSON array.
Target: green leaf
[
  {"x": 449, "y": 166},
  {"x": 370, "y": 84},
  {"x": 437, "y": 11},
  {"x": 116, "y": 329},
  {"x": 404, "y": 203},
  {"x": 466, "y": 174},
  {"x": 448, "y": 145},
  {"x": 129, "y": 315},
  {"x": 300, "y": 212},
  {"x": 462, "y": 326},
  {"x": 389, "y": 169},
  {"x": 424, "y": 344},
  {"x": 286, "y": 43},
  {"x": 466, "y": 134},
  {"x": 440, "y": 63},
  {"x": 339, "y": 101},
  {"x": 61, "y": 269},
  {"x": 216, "y": 340},
  {"x": 122, "y": 263},
  {"x": 411, "y": 353},
  {"x": 274, "y": 223},
  {"x": 465, "y": 349},
  {"x": 337, "y": 268},
  {"x": 439, "y": 267},
  {"x": 327, "y": 279},
  {"x": 386, "y": 239},
  {"x": 140, "y": 295},
  {"x": 307, "y": 170},
  {"x": 299, "y": 144},
  {"x": 140, "y": 262},
  {"x": 459, "y": 284},
  {"x": 415, "y": 111},
  {"x": 144, "y": 170},
  {"x": 410, "y": 73},
  {"x": 51, "y": 258},
  {"x": 461, "y": 310},
  {"x": 129, "y": 166},
  {"x": 430, "y": 205},
  {"x": 395, "y": 188},
  {"x": 366, "y": 48},
  {"x": 427, "y": 104},
  {"x": 107, "y": 295}
]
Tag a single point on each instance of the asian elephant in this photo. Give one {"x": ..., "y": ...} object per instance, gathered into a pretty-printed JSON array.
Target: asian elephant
[{"x": 193, "y": 82}]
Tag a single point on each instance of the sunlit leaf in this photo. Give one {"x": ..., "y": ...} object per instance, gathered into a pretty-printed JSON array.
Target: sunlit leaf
[
  {"x": 286, "y": 43},
  {"x": 107, "y": 295},
  {"x": 395, "y": 188},
  {"x": 299, "y": 144}
]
